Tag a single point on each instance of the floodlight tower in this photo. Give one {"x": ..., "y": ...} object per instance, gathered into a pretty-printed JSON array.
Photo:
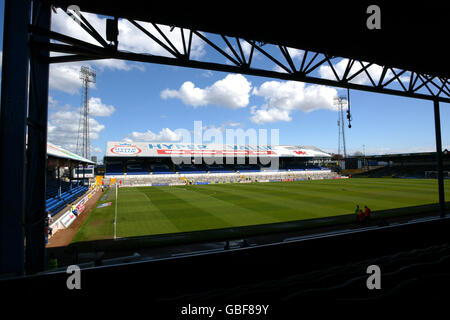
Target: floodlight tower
[
  {"x": 87, "y": 76},
  {"x": 340, "y": 102}
]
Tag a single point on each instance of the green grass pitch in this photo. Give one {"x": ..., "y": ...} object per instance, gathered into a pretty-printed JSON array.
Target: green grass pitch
[{"x": 158, "y": 210}]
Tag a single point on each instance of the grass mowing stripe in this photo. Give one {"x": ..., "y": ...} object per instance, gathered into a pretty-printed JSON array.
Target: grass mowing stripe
[
  {"x": 266, "y": 207},
  {"x": 149, "y": 218},
  {"x": 233, "y": 214},
  {"x": 291, "y": 206},
  {"x": 295, "y": 206},
  {"x": 184, "y": 215}
]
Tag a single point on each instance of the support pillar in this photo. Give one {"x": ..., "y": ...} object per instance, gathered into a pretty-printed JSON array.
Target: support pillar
[
  {"x": 35, "y": 213},
  {"x": 13, "y": 111},
  {"x": 439, "y": 164}
]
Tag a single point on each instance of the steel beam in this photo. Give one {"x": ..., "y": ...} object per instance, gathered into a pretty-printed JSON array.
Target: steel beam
[
  {"x": 12, "y": 135},
  {"x": 83, "y": 50}
]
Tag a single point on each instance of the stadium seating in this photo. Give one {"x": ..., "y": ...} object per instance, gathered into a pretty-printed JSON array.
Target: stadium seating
[
  {"x": 136, "y": 168},
  {"x": 57, "y": 203},
  {"x": 418, "y": 269},
  {"x": 217, "y": 168},
  {"x": 186, "y": 168},
  {"x": 114, "y": 168},
  {"x": 248, "y": 168},
  {"x": 161, "y": 169}
]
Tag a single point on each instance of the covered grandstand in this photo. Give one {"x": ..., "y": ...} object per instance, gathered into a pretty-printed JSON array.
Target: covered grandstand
[
  {"x": 62, "y": 186},
  {"x": 399, "y": 165},
  {"x": 162, "y": 163}
]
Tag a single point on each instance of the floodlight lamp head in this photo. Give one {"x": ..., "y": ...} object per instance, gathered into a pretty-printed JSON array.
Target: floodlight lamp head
[
  {"x": 340, "y": 100},
  {"x": 87, "y": 74}
]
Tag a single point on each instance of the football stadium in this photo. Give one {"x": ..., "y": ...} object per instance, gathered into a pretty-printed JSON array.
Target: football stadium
[
  {"x": 208, "y": 226},
  {"x": 157, "y": 196}
]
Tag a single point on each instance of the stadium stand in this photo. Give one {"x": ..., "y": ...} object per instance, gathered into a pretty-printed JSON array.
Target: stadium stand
[
  {"x": 64, "y": 181},
  {"x": 401, "y": 171},
  {"x": 155, "y": 165}
]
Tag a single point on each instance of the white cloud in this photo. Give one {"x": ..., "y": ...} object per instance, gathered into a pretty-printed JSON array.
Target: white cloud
[
  {"x": 63, "y": 128},
  {"x": 52, "y": 102},
  {"x": 232, "y": 92},
  {"x": 65, "y": 77},
  {"x": 99, "y": 109},
  {"x": 281, "y": 98},
  {"x": 63, "y": 123},
  {"x": 165, "y": 134},
  {"x": 295, "y": 53},
  {"x": 261, "y": 116}
]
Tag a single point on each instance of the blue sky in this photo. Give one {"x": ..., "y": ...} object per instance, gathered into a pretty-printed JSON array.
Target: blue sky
[{"x": 145, "y": 102}]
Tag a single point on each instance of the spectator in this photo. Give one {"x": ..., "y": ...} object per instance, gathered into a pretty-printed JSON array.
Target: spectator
[
  {"x": 75, "y": 210},
  {"x": 357, "y": 212},
  {"x": 361, "y": 216},
  {"x": 367, "y": 213},
  {"x": 46, "y": 231},
  {"x": 227, "y": 245},
  {"x": 49, "y": 217}
]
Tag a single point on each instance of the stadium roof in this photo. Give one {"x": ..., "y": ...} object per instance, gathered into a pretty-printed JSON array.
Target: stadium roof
[
  {"x": 417, "y": 156},
  {"x": 58, "y": 152},
  {"x": 171, "y": 149},
  {"x": 412, "y": 36}
]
